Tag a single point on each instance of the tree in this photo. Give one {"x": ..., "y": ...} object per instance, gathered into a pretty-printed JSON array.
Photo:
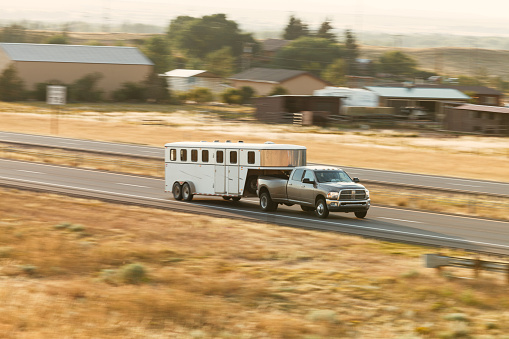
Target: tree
[
  {"x": 12, "y": 87},
  {"x": 352, "y": 52},
  {"x": 157, "y": 49},
  {"x": 156, "y": 89},
  {"x": 201, "y": 36},
  {"x": 309, "y": 54},
  {"x": 85, "y": 89},
  {"x": 13, "y": 33},
  {"x": 335, "y": 72},
  {"x": 221, "y": 62},
  {"x": 295, "y": 29},
  {"x": 396, "y": 63},
  {"x": 324, "y": 31},
  {"x": 278, "y": 90}
]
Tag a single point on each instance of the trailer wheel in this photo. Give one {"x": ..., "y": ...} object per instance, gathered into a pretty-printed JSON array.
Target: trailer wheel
[
  {"x": 361, "y": 215},
  {"x": 186, "y": 192},
  {"x": 177, "y": 191},
  {"x": 235, "y": 199},
  {"x": 321, "y": 210},
  {"x": 266, "y": 202},
  {"x": 226, "y": 198}
]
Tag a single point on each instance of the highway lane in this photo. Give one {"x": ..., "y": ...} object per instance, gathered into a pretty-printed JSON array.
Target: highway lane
[
  {"x": 386, "y": 223},
  {"x": 389, "y": 177}
]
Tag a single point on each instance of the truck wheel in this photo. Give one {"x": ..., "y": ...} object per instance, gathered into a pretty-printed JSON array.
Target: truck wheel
[
  {"x": 321, "y": 209},
  {"x": 186, "y": 192},
  {"x": 361, "y": 215},
  {"x": 177, "y": 191},
  {"x": 266, "y": 202},
  {"x": 226, "y": 198},
  {"x": 235, "y": 199},
  {"x": 307, "y": 208}
]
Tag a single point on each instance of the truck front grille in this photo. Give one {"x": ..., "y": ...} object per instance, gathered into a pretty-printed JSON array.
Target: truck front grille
[{"x": 352, "y": 195}]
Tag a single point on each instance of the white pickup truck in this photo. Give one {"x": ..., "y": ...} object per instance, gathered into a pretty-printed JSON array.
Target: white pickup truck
[{"x": 315, "y": 188}]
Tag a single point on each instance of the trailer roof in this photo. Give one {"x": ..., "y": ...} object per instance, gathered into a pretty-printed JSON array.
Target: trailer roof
[{"x": 235, "y": 145}]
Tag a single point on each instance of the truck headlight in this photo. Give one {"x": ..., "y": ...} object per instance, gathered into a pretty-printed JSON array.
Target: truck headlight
[
  {"x": 367, "y": 194},
  {"x": 333, "y": 195}
]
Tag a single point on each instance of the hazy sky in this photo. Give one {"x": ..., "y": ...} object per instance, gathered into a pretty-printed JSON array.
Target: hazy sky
[{"x": 395, "y": 16}]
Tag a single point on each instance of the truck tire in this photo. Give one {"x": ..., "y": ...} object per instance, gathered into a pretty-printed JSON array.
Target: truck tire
[
  {"x": 266, "y": 202},
  {"x": 321, "y": 209},
  {"x": 186, "y": 192},
  {"x": 307, "y": 208},
  {"x": 361, "y": 215},
  {"x": 177, "y": 191}
]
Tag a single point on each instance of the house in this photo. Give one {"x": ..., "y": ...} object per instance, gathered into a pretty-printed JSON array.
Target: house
[
  {"x": 480, "y": 95},
  {"x": 264, "y": 80},
  {"x": 432, "y": 100},
  {"x": 477, "y": 118},
  {"x": 184, "y": 80},
  {"x": 41, "y": 63}
]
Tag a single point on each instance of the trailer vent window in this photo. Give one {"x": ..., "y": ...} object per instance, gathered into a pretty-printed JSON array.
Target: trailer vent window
[
  {"x": 251, "y": 157},
  {"x": 205, "y": 156},
  {"x": 194, "y": 155},
  {"x": 219, "y": 157},
  {"x": 173, "y": 154},
  {"x": 233, "y": 157},
  {"x": 183, "y": 155}
]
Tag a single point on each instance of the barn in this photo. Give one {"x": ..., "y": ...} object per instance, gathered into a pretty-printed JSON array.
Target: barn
[{"x": 41, "y": 63}]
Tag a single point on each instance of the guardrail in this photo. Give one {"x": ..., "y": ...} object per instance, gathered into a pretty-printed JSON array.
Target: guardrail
[{"x": 439, "y": 261}]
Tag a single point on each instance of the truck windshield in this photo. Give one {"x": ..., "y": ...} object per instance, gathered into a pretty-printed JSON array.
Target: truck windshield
[{"x": 332, "y": 176}]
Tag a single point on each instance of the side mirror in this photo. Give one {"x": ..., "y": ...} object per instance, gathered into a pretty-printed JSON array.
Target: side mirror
[
  {"x": 356, "y": 180},
  {"x": 308, "y": 181}
]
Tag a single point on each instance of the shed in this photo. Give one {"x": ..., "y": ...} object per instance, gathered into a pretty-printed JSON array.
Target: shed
[
  {"x": 477, "y": 118},
  {"x": 263, "y": 81},
  {"x": 187, "y": 79},
  {"x": 284, "y": 108},
  {"x": 430, "y": 99},
  {"x": 41, "y": 63}
]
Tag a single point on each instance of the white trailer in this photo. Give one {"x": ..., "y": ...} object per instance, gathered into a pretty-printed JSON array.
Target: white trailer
[{"x": 226, "y": 169}]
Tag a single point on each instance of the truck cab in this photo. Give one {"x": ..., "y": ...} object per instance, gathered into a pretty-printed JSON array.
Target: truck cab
[{"x": 321, "y": 189}]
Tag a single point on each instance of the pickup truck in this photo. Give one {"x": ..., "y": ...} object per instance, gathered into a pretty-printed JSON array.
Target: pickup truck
[{"x": 315, "y": 188}]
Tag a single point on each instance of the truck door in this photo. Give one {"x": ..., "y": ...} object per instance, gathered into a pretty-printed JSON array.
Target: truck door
[
  {"x": 220, "y": 172},
  {"x": 307, "y": 190},
  {"x": 232, "y": 162},
  {"x": 294, "y": 183}
]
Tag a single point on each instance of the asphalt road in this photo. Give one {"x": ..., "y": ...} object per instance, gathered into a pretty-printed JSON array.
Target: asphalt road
[
  {"x": 385, "y": 223},
  {"x": 388, "y": 177}
]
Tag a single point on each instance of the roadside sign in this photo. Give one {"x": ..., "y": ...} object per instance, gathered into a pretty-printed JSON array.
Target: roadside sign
[{"x": 56, "y": 95}]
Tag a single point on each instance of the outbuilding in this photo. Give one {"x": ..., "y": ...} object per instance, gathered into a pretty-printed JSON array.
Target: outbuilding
[
  {"x": 41, "y": 63},
  {"x": 477, "y": 119},
  {"x": 186, "y": 79}
]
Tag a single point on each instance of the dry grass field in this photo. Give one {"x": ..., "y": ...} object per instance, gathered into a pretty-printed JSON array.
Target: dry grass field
[{"x": 75, "y": 268}]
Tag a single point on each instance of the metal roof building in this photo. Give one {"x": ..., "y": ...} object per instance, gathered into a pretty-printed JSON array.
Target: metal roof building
[
  {"x": 40, "y": 63},
  {"x": 187, "y": 79},
  {"x": 477, "y": 119},
  {"x": 430, "y": 99}
]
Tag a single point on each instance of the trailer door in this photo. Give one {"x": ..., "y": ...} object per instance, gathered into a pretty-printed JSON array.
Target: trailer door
[
  {"x": 220, "y": 172},
  {"x": 232, "y": 161}
]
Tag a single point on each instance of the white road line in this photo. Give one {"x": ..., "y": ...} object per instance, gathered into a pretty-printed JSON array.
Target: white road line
[
  {"x": 26, "y": 171},
  {"x": 121, "y": 183},
  {"x": 369, "y": 228},
  {"x": 417, "y": 222},
  {"x": 465, "y": 185}
]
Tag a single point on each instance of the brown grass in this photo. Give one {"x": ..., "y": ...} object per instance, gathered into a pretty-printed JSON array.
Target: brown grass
[{"x": 217, "y": 278}]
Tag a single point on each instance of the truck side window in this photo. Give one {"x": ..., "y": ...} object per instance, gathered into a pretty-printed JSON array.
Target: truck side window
[
  {"x": 205, "y": 155},
  {"x": 297, "y": 175},
  {"x": 233, "y": 157},
  {"x": 251, "y": 157},
  {"x": 194, "y": 155},
  {"x": 219, "y": 157},
  {"x": 173, "y": 154},
  {"x": 309, "y": 174},
  {"x": 183, "y": 155}
]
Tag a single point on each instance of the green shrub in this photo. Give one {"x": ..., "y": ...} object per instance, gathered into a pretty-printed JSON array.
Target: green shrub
[
  {"x": 130, "y": 91},
  {"x": 200, "y": 95},
  {"x": 132, "y": 273},
  {"x": 278, "y": 90}
]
